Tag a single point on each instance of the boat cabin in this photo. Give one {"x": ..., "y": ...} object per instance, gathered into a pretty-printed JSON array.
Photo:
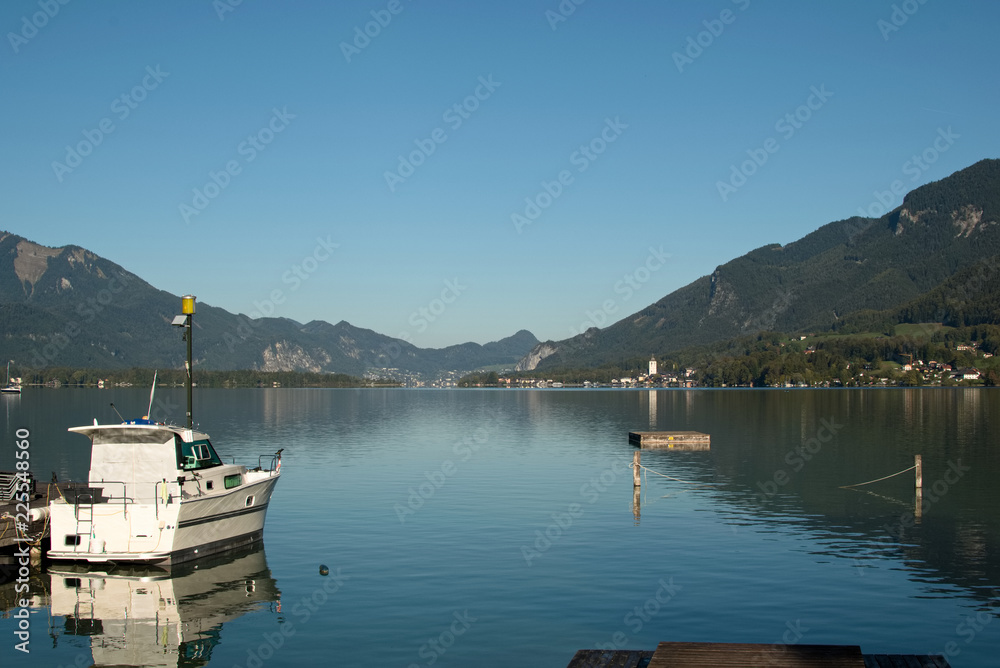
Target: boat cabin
[{"x": 140, "y": 460}]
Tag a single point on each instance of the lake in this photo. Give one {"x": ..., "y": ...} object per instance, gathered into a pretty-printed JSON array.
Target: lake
[{"x": 497, "y": 527}]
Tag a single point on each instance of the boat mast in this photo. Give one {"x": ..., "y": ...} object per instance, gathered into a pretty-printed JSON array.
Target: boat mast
[{"x": 187, "y": 308}]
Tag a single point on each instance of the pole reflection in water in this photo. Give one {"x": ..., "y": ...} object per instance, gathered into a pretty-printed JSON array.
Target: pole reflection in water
[{"x": 151, "y": 617}]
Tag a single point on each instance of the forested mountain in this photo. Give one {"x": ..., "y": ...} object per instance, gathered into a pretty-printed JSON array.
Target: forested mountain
[
  {"x": 935, "y": 258},
  {"x": 68, "y": 307}
]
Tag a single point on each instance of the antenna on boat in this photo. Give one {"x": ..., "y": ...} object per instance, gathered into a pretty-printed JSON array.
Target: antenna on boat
[
  {"x": 152, "y": 391},
  {"x": 187, "y": 308},
  {"x": 116, "y": 411}
]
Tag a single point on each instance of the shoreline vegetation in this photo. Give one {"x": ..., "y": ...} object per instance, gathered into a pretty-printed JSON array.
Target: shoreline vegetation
[
  {"x": 137, "y": 377},
  {"x": 907, "y": 355}
]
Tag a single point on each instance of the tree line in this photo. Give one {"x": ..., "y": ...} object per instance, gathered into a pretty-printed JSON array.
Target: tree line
[
  {"x": 74, "y": 377},
  {"x": 776, "y": 358}
]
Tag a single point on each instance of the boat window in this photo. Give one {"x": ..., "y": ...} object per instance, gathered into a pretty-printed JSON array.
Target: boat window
[
  {"x": 234, "y": 480},
  {"x": 197, "y": 455}
]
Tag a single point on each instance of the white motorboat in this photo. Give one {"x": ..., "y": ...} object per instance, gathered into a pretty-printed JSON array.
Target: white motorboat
[{"x": 159, "y": 493}]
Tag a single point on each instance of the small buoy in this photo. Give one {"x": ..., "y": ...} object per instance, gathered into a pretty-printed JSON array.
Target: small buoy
[{"x": 323, "y": 570}]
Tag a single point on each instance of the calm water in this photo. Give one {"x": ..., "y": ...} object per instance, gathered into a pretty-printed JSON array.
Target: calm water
[{"x": 497, "y": 528}]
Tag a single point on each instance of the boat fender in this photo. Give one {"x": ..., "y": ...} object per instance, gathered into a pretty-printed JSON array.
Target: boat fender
[{"x": 36, "y": 514}]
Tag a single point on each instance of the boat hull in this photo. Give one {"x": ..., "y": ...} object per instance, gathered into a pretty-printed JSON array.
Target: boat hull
[{"x": 192, "y": 528}]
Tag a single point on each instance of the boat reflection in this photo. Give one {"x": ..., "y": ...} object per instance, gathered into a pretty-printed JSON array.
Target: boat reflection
[{"x": 153, "y": 617}]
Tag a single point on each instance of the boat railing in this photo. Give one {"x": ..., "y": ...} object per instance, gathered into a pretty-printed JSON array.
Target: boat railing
[
  {"x": 97, "y": 493},
  {"x": 13, "y": 482},
  {"x": 163, "y": 495},
  {"x": 87, "y": 500},
  {"x": 273, "y": 462},
  {"x": 107, "y": 497}
]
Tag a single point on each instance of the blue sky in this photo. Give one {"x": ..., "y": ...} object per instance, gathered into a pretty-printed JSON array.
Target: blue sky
[{"x": 272, "y": 157}]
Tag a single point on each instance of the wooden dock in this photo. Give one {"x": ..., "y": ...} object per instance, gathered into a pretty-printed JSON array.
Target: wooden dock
[
  {"x": 671, "y": 440},
  {"x": 8, "y": 532},
  {"x": 723, "y": 655},
  {"x": 604, "y": 658},
  {"x": 39, "y": 498}
]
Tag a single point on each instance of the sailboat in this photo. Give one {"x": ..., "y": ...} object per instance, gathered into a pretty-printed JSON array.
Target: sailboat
[{"x": 8, "y": 388}]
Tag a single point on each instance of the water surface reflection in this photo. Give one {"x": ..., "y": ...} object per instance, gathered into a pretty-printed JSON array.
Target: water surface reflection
[{"x": 152, "y": 617}]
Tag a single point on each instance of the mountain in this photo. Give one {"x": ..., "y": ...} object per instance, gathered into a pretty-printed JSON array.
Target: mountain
[
  {"x": 70, "y": 307},
  {"x": 935, "y": 257}
]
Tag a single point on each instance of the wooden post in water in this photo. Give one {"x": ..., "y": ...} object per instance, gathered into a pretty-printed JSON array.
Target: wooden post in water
[
  {"x": 636, "y": 484},
  {"x": 918, "y": 498}
]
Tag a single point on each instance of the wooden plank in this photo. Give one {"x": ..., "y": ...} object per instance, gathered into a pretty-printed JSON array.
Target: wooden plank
[
  {"x": 740, "y": 655},
  {"x": 633, "y": 659},
  {"x": 918, "y": 661},
  {"x": 906, "y": 661},
  {"x": 598, "y": 658},
  {"x": 587, "y": 658},
  {"x": 932, "y": 661}
]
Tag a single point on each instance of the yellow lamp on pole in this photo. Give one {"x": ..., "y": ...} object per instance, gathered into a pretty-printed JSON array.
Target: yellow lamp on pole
[{"x": 187, "y": 308}]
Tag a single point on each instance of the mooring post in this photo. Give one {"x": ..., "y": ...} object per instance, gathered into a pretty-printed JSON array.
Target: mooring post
[
  {"x": 919, "y": 465},
  {"x": 636, "y": 469},
  {"x": 918, "y": 498}
]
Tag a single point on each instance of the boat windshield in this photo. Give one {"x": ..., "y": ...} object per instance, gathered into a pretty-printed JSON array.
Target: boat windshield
[{"x": 196, "y": 455}]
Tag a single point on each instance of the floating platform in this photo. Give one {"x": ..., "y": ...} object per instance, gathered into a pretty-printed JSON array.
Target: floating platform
[
  {"x": 711, "y": 655},
  {"x": 672, "y": 440}
]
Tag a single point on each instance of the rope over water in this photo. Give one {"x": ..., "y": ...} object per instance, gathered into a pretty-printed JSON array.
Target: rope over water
[
  {"x": 649, "y": 470},
  {"x": 859, "y": 484}
]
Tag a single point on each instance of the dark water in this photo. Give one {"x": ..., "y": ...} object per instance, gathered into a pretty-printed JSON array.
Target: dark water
[{"x": 497, "y": 527}]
